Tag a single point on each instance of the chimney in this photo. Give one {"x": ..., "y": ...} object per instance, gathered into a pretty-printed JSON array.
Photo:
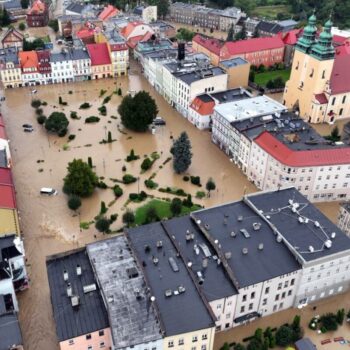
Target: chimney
[
  {"x": 78, "y": 270},
  {"x": 181, "y": 51}
]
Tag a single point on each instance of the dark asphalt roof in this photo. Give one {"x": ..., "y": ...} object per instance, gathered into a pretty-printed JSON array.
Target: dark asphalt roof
[
  {"x": 314, "y": 233},
  {"x": 269, "y": 27},
  {"x": 288, "y": 128},
  {"x": 80, "y": 54},
  {"x": 12, "y": 5},
  {"x": 10, "y": 333},
  {"x": 224, "y": 224},
  {"x": 216, "y": 284},
  {"x": 3, "y": 159},
  {"x": 91, "y": 314},
  {"x": 75, "y": 7},
  {"x": 205, "y": 98},
  {"x": 7, "y": 248},
  {"x": 231, "y": 95},
  {"x": 305, "y": 344},
  {"x": 180, "y": 313}
]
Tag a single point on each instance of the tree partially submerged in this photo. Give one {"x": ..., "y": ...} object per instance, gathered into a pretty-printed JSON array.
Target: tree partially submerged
[
  {"x": 182, "y": 155},
  {"x": 138, "y": 112},
  {"x": 57, "y": 123},
  {"x": 80, "y": 179}
]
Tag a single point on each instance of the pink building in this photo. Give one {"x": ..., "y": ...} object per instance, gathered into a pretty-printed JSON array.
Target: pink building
[{"x": 78, "y": 308}]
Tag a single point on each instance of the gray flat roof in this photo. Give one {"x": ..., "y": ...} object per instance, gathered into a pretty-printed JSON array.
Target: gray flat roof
[
  {"x": 3, "y": 158},
  {"x": 233, "y": 62},
  {"x": 278, "y": 206},
  {"x": 216, "y": 284},
  {"x": 91, "y": 314},
  {"x": 248, "y": 108},
  {"x": 232, "y": 227},
  {"x": 231, "y": 95},
  {"x": 10, "y": 333},
  {"x": 132, "y": 320},
  {"x": 181, "y": 313},
  {"x": 191, "y": 77}
]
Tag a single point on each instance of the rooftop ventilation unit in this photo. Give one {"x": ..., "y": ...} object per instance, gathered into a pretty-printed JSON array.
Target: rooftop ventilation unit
[
  {"x": 207, "y": 226},
  {"x": 205, "y": 250},
  {"x": 301, "y": 220},
  {"x": 328, "y": 244},
  {"x": 173, "y": 264},
  {"x": 75, "y": 300},
  {"x": 147, "y": 248},
  {"x": 168, "y": 293},
  {"x": 306, "y": 220},
  {"x": 189, "y": 264},
  {"x": 290, "y": 201},
  {"x": 155, "y": 260},
  {"x": 245, "y": 233},
  {"x": 65, "y": 275},
  {"x": 138, "y": 294},
  {"x": 110, "y": 299},
  {"x": 333, "y": 234},
  {"x": 256, "y": 226},
  {"x": 205, "y": 263},
  {"x": 317, "y": 224},
  {"x": 69, "y": 290},
  {"x": 294, "y": 210},
  {"x": 233, "y": 234},
  {"x": 268, "y": 217},
  {"x": 78, "y": 269},
  {"x": 89, "y": 288},
  {"x": 261, "y": 246},
  {"x": 240, "y": 218},
  {"x": 132, "y": 272},
  {"x": 189, "y": 236},
  {"x": 159, "y": 244},
  {"x": 245, "y": 251},
  {"x": 196, "y": 249},
  {"x": 181, "y": 289},
  {"x": 228, "y": 255},
  {"x": 311, "y": 249},
  {"x": 198, "y": 222},
  {"x": 176, "y": 292},
  {"x": 279, "y": 238}
]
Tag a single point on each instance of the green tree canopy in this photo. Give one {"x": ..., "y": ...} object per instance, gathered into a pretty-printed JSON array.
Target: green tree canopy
[
  {"x": 176, "y": 206},
  {"x": 128, "y": 218},
  {"x": 80, "y": 179},
  {"x": 230, "y": 34},
  {"x": 24, "y": 4},
  {"x": 182, "y": 155},
  {"x": 210, "y": 186},
  {"x": 74, "y": 202},
  {"x": 102, "y": 225},
  {"x": 284, "y": 336},
  {"x": 138, "y": 112},
  {"x": 57, "y": 122},
  {"x": 37, "y": 43},
  {"x": 53, "y": 23}
]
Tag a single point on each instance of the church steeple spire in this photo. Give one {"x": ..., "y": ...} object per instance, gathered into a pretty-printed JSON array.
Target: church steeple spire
[
  {"x": 308, "y": 39},
  {"x": 324, "y": 49}
]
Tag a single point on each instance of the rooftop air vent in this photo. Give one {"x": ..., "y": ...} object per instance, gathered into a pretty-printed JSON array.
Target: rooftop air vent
[
  {"x": 301, "y": 220},
  {"x": 69, "y": 290},
  {"x": 245, "y": 233},
  {"x": 279, "y": 238},
  {"x": 317, "y": 224},
  {"x": 256, "y": 226},
  {"x": 65, "y": 275},
  {"x": 228, "y": 255},
  {"x": 132, "y": 272},
  {"x": 196, "y": 249},
  {"x": 181, "y": 289},
  {"x": 147, "y": 248},
  {"x": 89, "y": 288},
  {"x": 233, "y": 234},
  {"x": 75, "y": 300},
  {"x": 311, "y": 249},
  {"x": 240, "y": 218},
  {"x": 173, "y": 264},
  {"x": 159, "y": 244},
  {"x": 245, "y": 251},
  {"x": 155, "y": 260},
  {"x": 207, "y": 226},
  {"x": 189, "y": 236},
  {"x": 205, "y": 263},
  {"x": 261, "y": 246},
  {"x": 138, "y": 294},
  {"x": 168, "y": 293},
  {"x": 328, "y": 244},
  {"x": 333, "y": 234},
  {"x": 78, "y": 269}
]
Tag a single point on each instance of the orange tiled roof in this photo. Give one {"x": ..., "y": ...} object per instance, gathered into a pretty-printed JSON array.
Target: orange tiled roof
[
  {"x": 203, "y": 105},
  {"x": 28, "y": 59},
  {"x": 127, "y": 30},
  {"x": 38, "y": 6},
  {"x": 108, "y": 12}
]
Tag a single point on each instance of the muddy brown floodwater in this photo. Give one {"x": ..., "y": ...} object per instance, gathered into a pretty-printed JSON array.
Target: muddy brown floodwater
[{"x": 40, "y": 160}]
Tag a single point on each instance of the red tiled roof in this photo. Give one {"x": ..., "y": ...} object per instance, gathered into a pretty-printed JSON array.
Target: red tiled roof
[
  {"x": 2, "y": 129},
  {"x": 211, "y": 44},
  {"x": 343, "y": 49},
  {"x": 99, "y": 54},
  {"x": 295, "y": 158},
  {"x": 118, "y": 47},
  {"x": 202, "y": 107},
  {"x": 337, "y": 39},
  {"x": 38, "y": 6},
  {"x": 340, "y": 77},
  {"x": 6, "y": 176},
  {"x": 253, "y": 45},
  {"x": 321, "y": 98},
  {"x": 85, "y": 33},
  {"x": 291, "y": 37},
  {"x": 108, "y": 12},
  {"x": 7, "y": 197}
]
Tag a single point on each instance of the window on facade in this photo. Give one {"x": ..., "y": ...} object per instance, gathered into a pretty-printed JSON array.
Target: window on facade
[
  {"x": 251, "y": 306},
  {"x": 102, "y": 344},
  {"x": 203, "y": 347},
  {"x": 244, "y": 298},
  {"x": 242, "y": 308},
  {"x": 194, "y": 339},
  {"x": 101, "y": 333},
  {"x": 88, "y": 336},
  {"x": 89, "y": 347},
  {"x": 292, "y": 282},
  {"x": 289, "y": 292},
  {"x": 343, "y": 100},
  {"x": 323, "y": 74},
  {"x": 204, "y": 337},
  {"x": 277, "y": 297},
  {"x": 170, "y": 344},
  {"x": 279, "y": 286},
  {"x": 267, "y": 290},
  {"x": 264, "y": 301},
  {"x": 252, "y": 296},
  {"x": 341, "y": 111},
  {"x": 333, "y": 101},
  {"x": 71, "y": 342},
  {"x": 181, "y": 341}
]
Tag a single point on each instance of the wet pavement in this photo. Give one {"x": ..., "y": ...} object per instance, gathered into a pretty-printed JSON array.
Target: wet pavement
[{"x": 40, "y": 160}]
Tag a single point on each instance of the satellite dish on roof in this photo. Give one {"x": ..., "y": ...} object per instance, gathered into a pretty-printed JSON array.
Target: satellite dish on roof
[{"x": 153, "y": 298}]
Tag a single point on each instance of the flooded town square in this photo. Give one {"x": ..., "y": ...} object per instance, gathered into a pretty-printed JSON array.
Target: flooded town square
[{"x": 40, "y": 160}]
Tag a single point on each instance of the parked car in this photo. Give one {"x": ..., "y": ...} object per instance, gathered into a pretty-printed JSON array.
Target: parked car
[
  {"x": 48, "y": 191},
  {"x": 28, "y": 129},
  {"x": 159, "y": 121},
  {"x": 34, "y": 91},
  {"x": 27, "y": 126}
]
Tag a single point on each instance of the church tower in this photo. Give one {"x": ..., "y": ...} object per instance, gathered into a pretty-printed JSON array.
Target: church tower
[{"x": 311, "y": 70}]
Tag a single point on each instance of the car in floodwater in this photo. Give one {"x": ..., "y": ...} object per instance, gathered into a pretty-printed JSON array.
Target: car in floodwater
[
  {"x": 159, "y": 121},
  {"x": 48, "y": 191},
  {"x": 27, "y": 126},
  {"x": 31, "y": 129}
]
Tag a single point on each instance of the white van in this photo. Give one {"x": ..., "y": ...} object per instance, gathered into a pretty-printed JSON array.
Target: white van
[{"x": 48, "y": 191}]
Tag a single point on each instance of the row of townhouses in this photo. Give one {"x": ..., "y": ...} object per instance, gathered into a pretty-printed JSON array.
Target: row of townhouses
[
  {"x": 13, "y": 274},
  {"x": 93, "y": 61},
  {"x": 174, "y": 284}
]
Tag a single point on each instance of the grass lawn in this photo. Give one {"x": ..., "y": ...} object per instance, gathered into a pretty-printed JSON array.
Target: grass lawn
[
  {"x": 270, "y": 12},
  {"x": 262, "y": 78},
  {"x": 162, "y": 208}
]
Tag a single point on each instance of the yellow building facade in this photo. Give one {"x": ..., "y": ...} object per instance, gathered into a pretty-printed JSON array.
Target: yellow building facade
[
  {"x": 9, "y": 223},
  {"x": 315, "y": 88}
]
